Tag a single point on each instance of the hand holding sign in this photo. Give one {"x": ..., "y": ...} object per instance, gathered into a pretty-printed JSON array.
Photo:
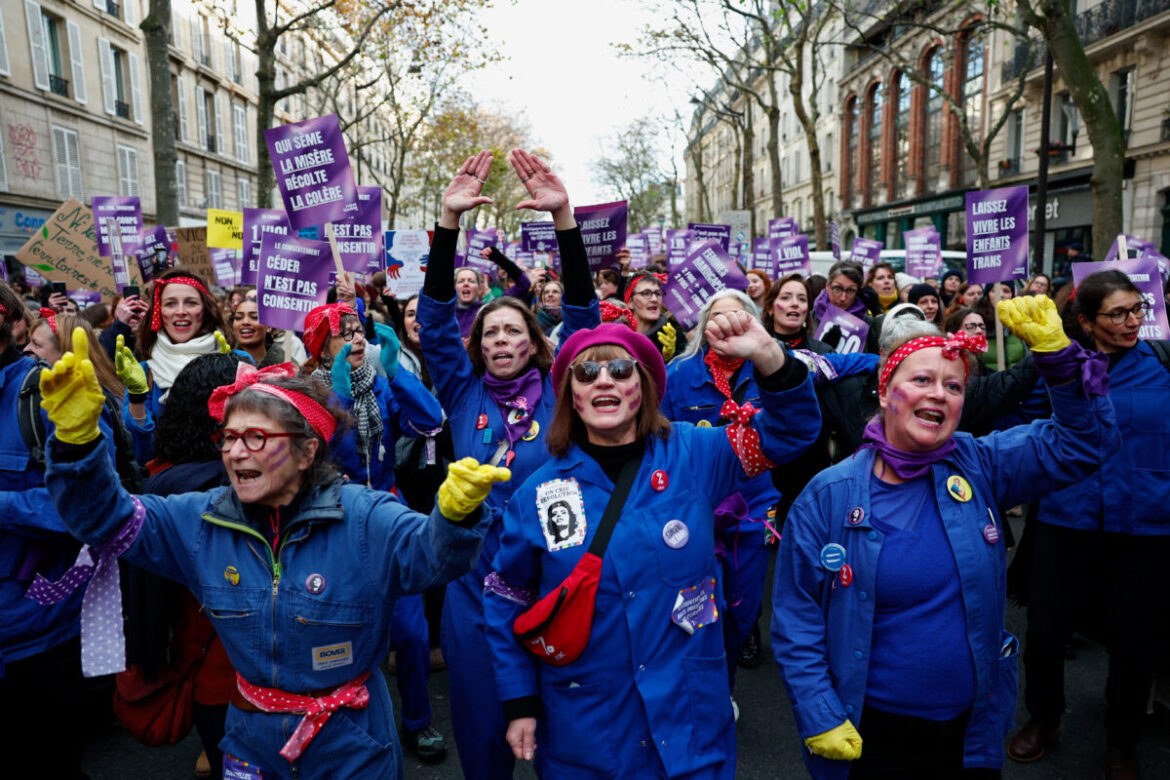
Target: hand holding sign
[
  {"x": 546, "y": 191},
  {"x": 463, "y": 193}
]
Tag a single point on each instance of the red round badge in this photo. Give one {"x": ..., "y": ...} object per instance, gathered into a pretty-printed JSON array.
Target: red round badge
[
  {"x": 481, "y": 422},
  {"x": 845, "y": 575},
  {"x": 659, "y": 480}
]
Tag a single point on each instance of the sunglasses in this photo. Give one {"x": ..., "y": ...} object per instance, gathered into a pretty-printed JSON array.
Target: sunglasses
[{"x": 587, "y": 371}]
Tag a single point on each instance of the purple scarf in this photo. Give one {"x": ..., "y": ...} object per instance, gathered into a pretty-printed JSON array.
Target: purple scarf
[
  {"x": 516, "y": 398},
  {"x": 821, "y": 305},
  {"x": 907, "y": 465}
]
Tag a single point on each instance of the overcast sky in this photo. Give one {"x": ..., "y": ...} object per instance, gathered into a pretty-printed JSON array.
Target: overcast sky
[{"x": 562, "y": 73}]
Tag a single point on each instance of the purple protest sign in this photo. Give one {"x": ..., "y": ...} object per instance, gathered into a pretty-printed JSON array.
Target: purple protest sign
[
  {"x": 117, "y": 255},
  {"x": 359, "y": 237},
  {"x": 835, "y": 240},
  {"x": 312, "y": 171},
  {"x": 1160, "y": 260},
  {"x": 603, "y": 229},
  {"x": 997, "y": 235},
  {"x": 791, "y": 254},
  {"x": 720, "y": 233},
  {"x": 782, "y": 227},
  {"x": 538, "y": 236},
  {"x": 762, "y": 257},
  {"x": 293, "y": 278},
  {"x": 32, "y": 278},
  {"x": 677, "y": 242},
  {"x": 223, "y": 263},
  {"x": 127, "y": 212},
  {"x": 706, "y": 270},
  {"x": 1143, "y": 272},
  {"x": 865, "y": 251},
  {"x": 923, "y": 252},
  {"x": 639, "y": 248},
  {"x": 477, "y": 241},
  {"x": 654, "y": 237},
  {"x": 1133, "y": 245},
  {"x": 83, "y": 298},
  {"x": 258, "y": 222},
  {"x": 853, "y": 330},
  {"x": 154, "y": 246}
]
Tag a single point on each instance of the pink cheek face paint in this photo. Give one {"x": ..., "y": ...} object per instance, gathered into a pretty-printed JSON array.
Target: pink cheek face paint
[
  {"x": 522, "y": 346},
  {"x": 896, "y": 398},
  {"x": 634, "y": 396},
  {"x": 578, "y": 402}
]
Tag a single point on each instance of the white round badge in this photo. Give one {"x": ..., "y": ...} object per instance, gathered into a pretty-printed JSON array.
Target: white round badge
[{"x": 676, "y": 534}]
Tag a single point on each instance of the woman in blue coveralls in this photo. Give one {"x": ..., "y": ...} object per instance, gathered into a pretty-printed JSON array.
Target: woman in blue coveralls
[
  {"x": 499, "y": 399},
  {"x": 384, "y": 408},
  {"x": 311, "y": 701},
  {"x": 707, "y": 388},
  {"x": 1108, "y": 534},
  {"x": 648, "y": 696},
  {"x": 889, "y": 597}
]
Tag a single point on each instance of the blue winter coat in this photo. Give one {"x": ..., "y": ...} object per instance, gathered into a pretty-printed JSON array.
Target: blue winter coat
[
  {"x": 369, "y": 549},
  {"x": 642, "y": 684},
  {"x": 407, "y": 409},
  {"x": 821, "y": 630},
  {"x": 1130, "y": 493}
]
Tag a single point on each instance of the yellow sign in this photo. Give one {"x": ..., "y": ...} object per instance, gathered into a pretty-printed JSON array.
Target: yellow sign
[{"x": 225, "y": 229}]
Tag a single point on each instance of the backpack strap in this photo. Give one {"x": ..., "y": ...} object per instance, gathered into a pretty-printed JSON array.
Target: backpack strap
[
  {"x": 1162, "y": 351},
  {"x": 33, "y": 430}
]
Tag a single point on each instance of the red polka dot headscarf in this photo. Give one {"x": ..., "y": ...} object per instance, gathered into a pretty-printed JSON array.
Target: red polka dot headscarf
[
  {"x": 321, "y": 323},
  {"x": 953, "y": 346}
]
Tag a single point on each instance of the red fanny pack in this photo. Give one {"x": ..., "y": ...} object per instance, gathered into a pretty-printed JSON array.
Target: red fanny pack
[{"x": 556, "y": 628}]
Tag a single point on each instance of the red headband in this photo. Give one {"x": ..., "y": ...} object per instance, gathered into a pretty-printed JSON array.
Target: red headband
[
  {"x": 952, "y": 347},
  {"x": 321, "y": 323},
  {"x": 248, "y": 378},
  {"x": 50, "y": 316},
  {"x": 611, "y": 312},
  {"x": 660, "y": 278},
  {"x": 156, "y": 313}
]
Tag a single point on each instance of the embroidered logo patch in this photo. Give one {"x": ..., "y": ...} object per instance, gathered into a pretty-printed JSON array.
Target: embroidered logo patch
[
  {"x": 332, "y": 656},
  {"x": 561, "y": 510}
]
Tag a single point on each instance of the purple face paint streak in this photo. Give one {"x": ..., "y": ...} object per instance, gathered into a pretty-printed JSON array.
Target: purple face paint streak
[
  {"x": 578, "y": 402},
  {"x": 277, "y": 452}
]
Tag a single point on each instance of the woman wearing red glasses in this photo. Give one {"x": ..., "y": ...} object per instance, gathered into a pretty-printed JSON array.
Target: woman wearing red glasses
[{"x": 648, "y": 696}]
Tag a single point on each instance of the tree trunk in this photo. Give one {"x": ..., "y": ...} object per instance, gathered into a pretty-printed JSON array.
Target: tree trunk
[
  {"x": 266, "y": 108},
  {"x": 773, "y": 112},
  {"x": 697, "y": 159},
  {"x": 156, "y": 27},
  {"x": 737, "y": 167},
  {"x": 808, "y": 124},
  {"x": 749, "y": 175}
]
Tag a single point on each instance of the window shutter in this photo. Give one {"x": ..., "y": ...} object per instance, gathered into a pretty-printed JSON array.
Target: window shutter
[
  {"x": 123, "y": 176},
  {"x": 106, "y": 60},
  {"x": 245, "y": 193},
  {"x": 135, "y": 87},
  {"x": 196, "y": 37},
  {"x": 181, "y": 182},
  {"x": 132, "y": 170},
  {"x": 232, "y": 67},
  {"x": 220, "y": 139},
  {"x": 201, "y": 116},
  {"x": 61, "y": 160},
  {"x": 184, "y": 132},
  {"x": 176, "y": 28},
  {"x": 3, "y": 166},
  {"x": 4, "y": 70},
  {"x": 74, "y": 159},
  {"x": 130, "y": 13},
  {"x": 76, "y": 61},
  {"x": 241, "y": 119},
  {"x": 36, "y": 42}
]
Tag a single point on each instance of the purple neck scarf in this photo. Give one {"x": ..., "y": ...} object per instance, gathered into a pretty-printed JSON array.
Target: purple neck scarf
[
  {"x": 821, "y": 305},
  {"x": 907, "y": 465},
  {"x": 516, "y": 398}
]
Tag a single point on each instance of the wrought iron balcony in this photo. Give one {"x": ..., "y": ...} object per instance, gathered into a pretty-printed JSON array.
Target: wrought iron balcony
[
  {"x": 1113, "y": 16},
  {"x": 122, "y": 109},
  {"x": 58, "y": 85},
  {"x": 1017, "y": 63}
]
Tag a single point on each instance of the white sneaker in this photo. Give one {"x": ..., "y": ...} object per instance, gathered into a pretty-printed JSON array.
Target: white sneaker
[{"x": 735, "y": 709}]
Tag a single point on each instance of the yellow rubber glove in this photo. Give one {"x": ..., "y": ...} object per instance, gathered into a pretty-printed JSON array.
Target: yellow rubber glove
[
  {"x": 668, "y": 338},
  {"x": 1033, "y": 318},
  {"x": 221, "y": 343},
  {"x": 466, "y": 486},
  {"x": 70, "y": 393},
  {"x": 842, "y": 743},
  {"x": 128, "y": 369}
]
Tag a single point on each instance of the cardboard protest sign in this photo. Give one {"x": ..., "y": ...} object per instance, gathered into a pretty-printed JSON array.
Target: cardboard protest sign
[
  {"x": 293, "y": 278},
  {"x": 538, "y": 236},
  {"x": 835, "y": 240},
  {"x": 225, "y": 229},
  {"x": 782, "y": 227},
  {"x": 193, "y": 254},
  {"x": 865, "y": 251},
  {"x": 706, "y": 232},
  {"x": 257, "y": 222},
  {"x": 706, "y": 270},
  {"x": 1143, "y": 272},
  {"x": 603, "y": 229},
  {"x": 853, "y": 329},
  {"x": 923, "y": 252},
  {"x": 359, "y": 238},
  {"x": 312, "y": 171},
  {"x": 127, "y": 212},
  {"x": 997, "y": 235},
  {"x": 407, "y": 252},
  {"x": 791, "y": 255},
  {"x": 65, "y": 249}
]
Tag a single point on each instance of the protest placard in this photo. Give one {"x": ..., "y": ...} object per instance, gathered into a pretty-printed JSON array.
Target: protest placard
[
  {"x": 312, "y": 171},
  {"x": 997, "y": 235},
  {"x": 677, "y": 242},
  {"x": 225, "y": 229},
  {"x": 477, "y": 241},
  {"x": 293, "y": 278},
  {"x": 791, "y": 255},
  {"x": 923, "y": 252},
  {"x": 782, "y": 227},
  {"x": 865, "y": 251},
  {"x": 193, "y": 254},
  {"x": 127, "y": 212},
  {"x": 853, "y": 330},
  {"x": 64, "y": 249},
  {"x": 359, "y": 237},
  {"x": 538, "y": 236},
  {"x": 835, "y": 240},
  {"x": 257, "y": 222},
  {"x": 603, "y": 229},
  {"x": 710, "y": 232},
  {"x": 706, "y": 270},
  {"x": 223, "y": 265},
  {"x": 639, "y": 251},
  {"x": 407, "y": 252},
  {"x": 1143, "y": 272},
  {"x": 762, "y": 258}
]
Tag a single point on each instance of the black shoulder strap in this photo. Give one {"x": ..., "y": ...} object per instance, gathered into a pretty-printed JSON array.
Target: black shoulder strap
[
  {"x": 33, "y": 431},
  {"x": 613, "y": 509},
  {"x": 1162, "y": 350}
]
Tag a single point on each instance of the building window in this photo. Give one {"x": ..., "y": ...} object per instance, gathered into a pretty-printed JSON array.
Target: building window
[
  {"x": 58, "y": 84},
  {"x": 181, "y": 183},
  {"x": 127, "y": 170},
  {"x": 932, "y": 124},
  {"x": 902, "y": 182},
  {"x": 1121, "y": 87},
  {"x": 67, "y": 156},
  {"x": 244, "y": 187},
  {"x": 120, "y": 68},
  {"x": 204, "y": 116},
  {"x": 1068, "y": 118},
  {"x": 853, "y": 130},
  {"x": 240, "y": 125},
  {"x": 211, "y": 185},
  {"x": 874, "y": 124},
  {"x": 1015, "y": 139},
  {"x": 974, "y": 61}
]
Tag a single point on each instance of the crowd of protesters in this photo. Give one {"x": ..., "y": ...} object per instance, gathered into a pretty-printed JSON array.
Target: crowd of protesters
[{"x": 590, "y": 496}]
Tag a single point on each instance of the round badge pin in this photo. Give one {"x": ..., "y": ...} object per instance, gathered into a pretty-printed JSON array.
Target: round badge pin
[
  {"x": 990, "y": 534},
  {"x": 856, "y": 515},
  {"x": 845, "y": 576},
  {"x": 703, "y": 424},
  {"x": 833, "y": 556},
  {"x": 659, "y": 480},
  {"x": 315, "y": 583},
  {"x": 232, "y": 575},
  {"x": 676, "y": 534},
  {"x": 533, "y": 431},
  {"x": 959, "y": 488}
]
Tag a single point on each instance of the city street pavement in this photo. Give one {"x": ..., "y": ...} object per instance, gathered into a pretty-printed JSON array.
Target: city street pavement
[{"x": 767, "y": 743}]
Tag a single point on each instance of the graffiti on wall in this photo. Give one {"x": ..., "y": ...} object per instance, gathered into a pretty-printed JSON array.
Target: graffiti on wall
[{"x": 24, "y": 149}]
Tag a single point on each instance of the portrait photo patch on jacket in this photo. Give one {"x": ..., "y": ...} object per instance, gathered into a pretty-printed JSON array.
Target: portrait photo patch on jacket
[{"x": 561, "y": 510}]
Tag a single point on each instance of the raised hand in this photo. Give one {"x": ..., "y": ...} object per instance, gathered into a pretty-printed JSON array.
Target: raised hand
[
  {"x": 737, "y": 334},
  {"x": 128, "y": 369},
  {"x": 71, "y": 395},
  {"x": 388, "y": 348},
  {"x": 546, "y": 192},
  {"x": 341, "y": 373},
  {"x": 1033, "y": 318},
  {"x": 467, "y": 486},
  {"x": 463, "y": 193},
  {"x": 668, "y": 340}
]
